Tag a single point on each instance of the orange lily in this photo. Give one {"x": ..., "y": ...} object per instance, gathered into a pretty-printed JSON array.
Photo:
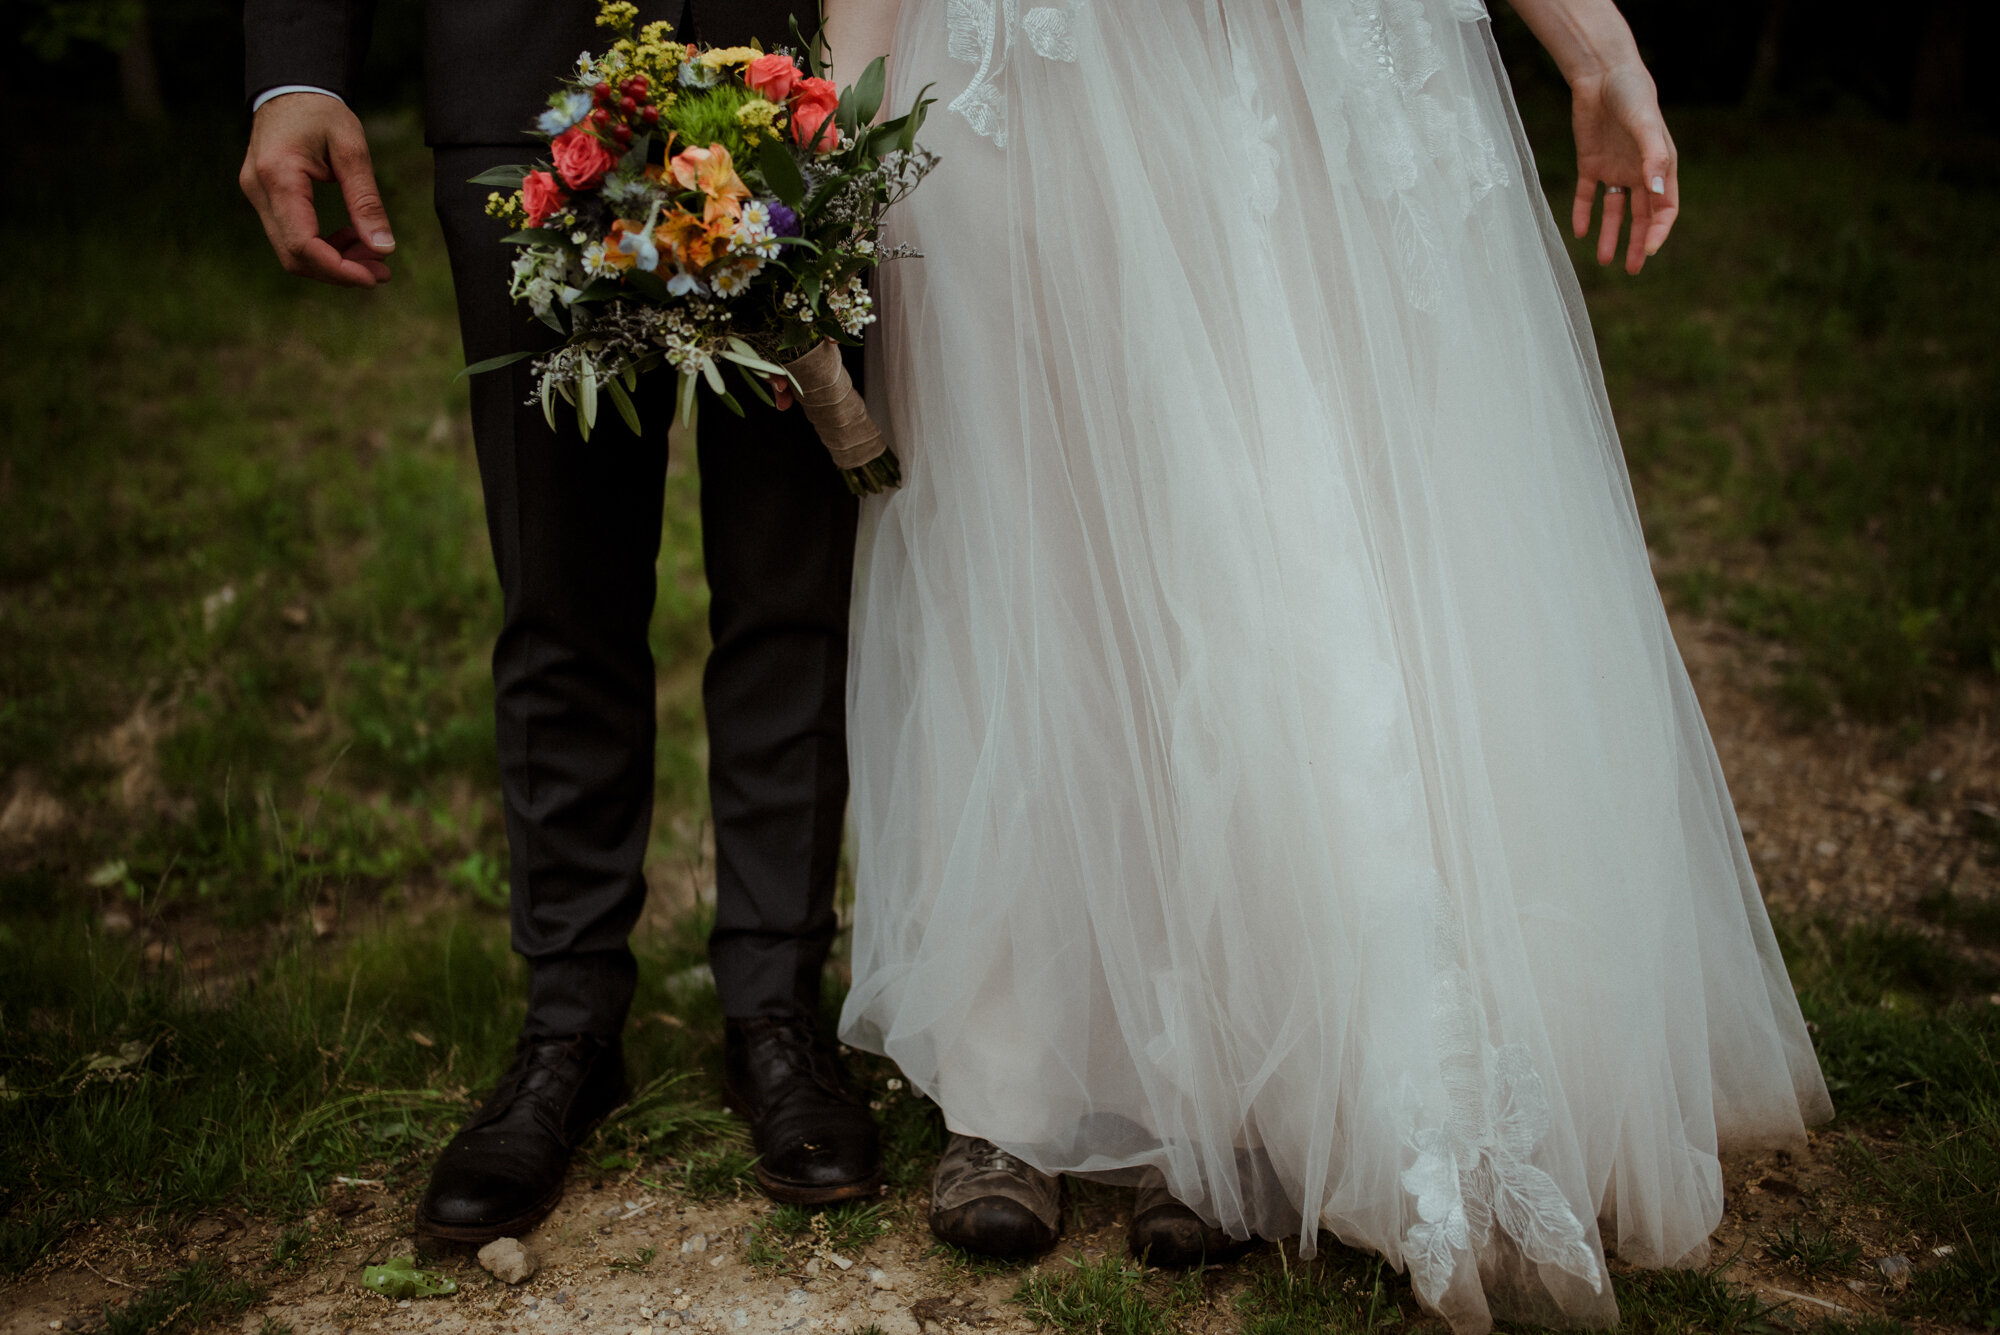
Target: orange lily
[{"x": 710, "y": 171}]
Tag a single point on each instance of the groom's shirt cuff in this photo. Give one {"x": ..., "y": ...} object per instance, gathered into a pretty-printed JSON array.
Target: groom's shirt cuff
[{"x": 257, "y": 102}]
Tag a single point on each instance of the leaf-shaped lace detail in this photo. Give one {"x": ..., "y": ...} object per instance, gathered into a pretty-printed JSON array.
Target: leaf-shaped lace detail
[
  {"x": 967, "y": 23},
  {"x": 1472, "y": 1177},
  {"x": 1049, "y": 33},
  {"x": 1396, "y": 125},
  {"x": 983, "y": 33}
]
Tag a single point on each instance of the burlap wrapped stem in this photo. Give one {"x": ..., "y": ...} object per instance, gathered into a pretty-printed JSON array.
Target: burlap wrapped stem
[{"x": 830, "y": 402}]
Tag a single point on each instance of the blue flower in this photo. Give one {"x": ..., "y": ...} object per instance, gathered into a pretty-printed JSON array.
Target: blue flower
[
  {"x": 565, "y": 110},
  {"x": 640, "y": 245},
  {"x": 783, "y": 221}
]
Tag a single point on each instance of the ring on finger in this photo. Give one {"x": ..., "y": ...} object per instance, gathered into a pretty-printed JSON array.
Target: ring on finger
[{"x": 1614, "y": 189}]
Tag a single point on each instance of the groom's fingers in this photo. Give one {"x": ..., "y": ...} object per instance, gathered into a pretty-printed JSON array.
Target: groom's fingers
[
  {"x": 355, "y": 171},
  {"x": 353, "y": 248},
  {"x": 299, "y": 139},
  {"x": 293, "y": 227}
]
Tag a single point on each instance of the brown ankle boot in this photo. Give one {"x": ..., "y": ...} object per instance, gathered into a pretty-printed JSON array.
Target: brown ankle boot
[
  {"x": 985, "y": 1200},
  {"x": 1168, "y": 1234}
]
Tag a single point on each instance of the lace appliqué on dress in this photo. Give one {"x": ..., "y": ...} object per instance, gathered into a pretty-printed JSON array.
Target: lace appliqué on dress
[
  {"x": 1398, "y": 129},
  {"x": 1474, "y": 1186},
  {"x": 983, "y": 33}
]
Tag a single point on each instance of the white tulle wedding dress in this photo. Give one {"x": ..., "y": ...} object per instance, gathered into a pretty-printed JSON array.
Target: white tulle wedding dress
[{"x": 1271, "y": 762}]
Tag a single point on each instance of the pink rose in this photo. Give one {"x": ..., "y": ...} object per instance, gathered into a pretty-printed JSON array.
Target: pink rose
[
  {"x": 813, "y": 104},
  {"x": 581, "y": 159},
  {"x": 773, "y": 75},
  {"x": 542, "y": 196}
]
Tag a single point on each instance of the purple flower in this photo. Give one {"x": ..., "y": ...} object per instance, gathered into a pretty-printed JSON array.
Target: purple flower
[{"x": 783, "y": 221}]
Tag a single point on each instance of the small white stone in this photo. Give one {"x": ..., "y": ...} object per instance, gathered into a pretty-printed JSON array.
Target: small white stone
[
  {"x": 717, "y": 1262},
  {"x": 840, "y": 1260},
  {"x": 507, "y": 1260},
  {"x": 739, "y": 1318},
  {"x": 881, "y": 1280},
  {"x": 696, "y": 1243},
  {"x": 812, "y": 1267}
]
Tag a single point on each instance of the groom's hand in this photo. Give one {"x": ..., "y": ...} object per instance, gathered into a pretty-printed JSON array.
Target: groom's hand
[{"x": 295, "y": 140}]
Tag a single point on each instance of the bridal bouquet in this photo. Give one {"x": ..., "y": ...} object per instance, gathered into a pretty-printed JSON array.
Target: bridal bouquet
[{"x": 704, "y": 209}]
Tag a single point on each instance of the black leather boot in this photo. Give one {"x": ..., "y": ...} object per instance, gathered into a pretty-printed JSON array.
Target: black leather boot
[
  {"x": 816, "y": 1140},
  {"x": 503, "y": 1173}
]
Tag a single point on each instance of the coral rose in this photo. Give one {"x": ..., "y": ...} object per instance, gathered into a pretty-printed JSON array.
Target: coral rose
[
  {"x": 580, "y": 159},
  {"x": 774, "y": 76},
  {"x": 813, "y": 105},
  {"x": 542, "y": 197}
]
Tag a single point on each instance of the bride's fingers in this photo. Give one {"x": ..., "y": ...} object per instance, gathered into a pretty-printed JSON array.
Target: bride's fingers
[
  {"x": 1635, "y": 243},
  {"x": 1663, "y": 200},
  {"x": 1579, "y": 212},
  {"x": 1607, "y": 232}
]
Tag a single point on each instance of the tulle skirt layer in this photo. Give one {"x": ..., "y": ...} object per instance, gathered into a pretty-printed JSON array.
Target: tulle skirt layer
[{"x": 1271, "y": 762}]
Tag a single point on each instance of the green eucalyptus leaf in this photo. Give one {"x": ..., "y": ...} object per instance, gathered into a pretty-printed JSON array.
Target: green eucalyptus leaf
[
  {"x": 685, "y": 410},
  {"x": 586, "y": 396},
  {"x": 811, "y": 48},
  {"x": 598, "y": 289},
  {"x": 756, "y": 383},
  {"x": 509, "y": 176},
  {"x": 623, "y": 403},
  {"x": 492, "y": 364},
  {"x": 648, "y": 285},
  {"x": 781, "y": 173},
  {"x": 868, "y": 92}
]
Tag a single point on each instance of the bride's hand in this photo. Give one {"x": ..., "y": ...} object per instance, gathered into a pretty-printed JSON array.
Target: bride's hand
[{"x": 1622, "y": 141}]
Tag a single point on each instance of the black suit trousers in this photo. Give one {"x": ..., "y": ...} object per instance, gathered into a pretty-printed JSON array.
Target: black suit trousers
[{"x": 575, "y": 528}]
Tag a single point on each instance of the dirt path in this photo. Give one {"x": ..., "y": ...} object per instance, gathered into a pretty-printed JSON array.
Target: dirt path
[{"x": 1843, "y": 822}]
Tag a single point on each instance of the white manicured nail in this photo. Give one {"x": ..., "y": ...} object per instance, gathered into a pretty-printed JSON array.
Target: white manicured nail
[{"x": 1659, "y": 185}]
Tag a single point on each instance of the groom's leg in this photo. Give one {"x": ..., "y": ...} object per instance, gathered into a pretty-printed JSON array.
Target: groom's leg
[
  {"x": 575, "y": 528},
  {"x": 778, "y": 540}
]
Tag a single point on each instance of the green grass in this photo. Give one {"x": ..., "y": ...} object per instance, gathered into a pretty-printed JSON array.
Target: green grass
[
  {"x": 1813, "y": 1254},
  {"x": 1112, "y": 1296},
  {"x": 246, "y": 602},
  {"x": 1908, "y": 1041},
  {"x": 1809, "y": 396},
  {"x": 1338, "y": 1291},
  {"x": 200, "y": 1295}
]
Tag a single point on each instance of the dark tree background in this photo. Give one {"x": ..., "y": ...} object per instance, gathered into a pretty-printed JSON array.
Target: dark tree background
[{"x": 1769, "y": 56}]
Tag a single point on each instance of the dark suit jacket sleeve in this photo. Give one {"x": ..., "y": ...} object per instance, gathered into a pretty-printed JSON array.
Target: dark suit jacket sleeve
[{"x": 320, "y": 42}]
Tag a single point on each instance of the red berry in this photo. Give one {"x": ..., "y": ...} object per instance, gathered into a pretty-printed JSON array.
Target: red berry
[
  {"x": 602, "y": 92},
  {"x": 622, "y": 133},
  {"x": 600, "y": 117},
  {"x": 627, "y": 105},
  {"x": 651, "y": 115},
  {"x": 640, "y": 85}
]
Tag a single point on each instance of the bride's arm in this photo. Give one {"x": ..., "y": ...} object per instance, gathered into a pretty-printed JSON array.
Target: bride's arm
[
  {"x": 856, "y": 32},
  {"x": 1621, "y": 138}
]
